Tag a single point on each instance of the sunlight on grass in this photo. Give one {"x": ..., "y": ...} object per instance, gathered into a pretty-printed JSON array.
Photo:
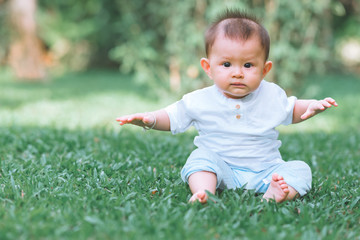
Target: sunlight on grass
[
  {"x": 95, "y": 99},
  {"x": 62, "y": 105},
  {"x": 91, "y": 111}
]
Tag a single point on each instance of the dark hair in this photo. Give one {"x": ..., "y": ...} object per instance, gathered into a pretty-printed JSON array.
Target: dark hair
[{"x": 236, "y": 24}]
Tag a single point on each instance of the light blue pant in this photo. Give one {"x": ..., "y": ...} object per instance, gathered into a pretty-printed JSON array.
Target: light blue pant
[{"x": 297, "y": 174}]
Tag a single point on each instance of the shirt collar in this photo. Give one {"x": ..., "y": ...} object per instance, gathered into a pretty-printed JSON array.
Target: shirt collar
[{"x": 247, "y": 98}]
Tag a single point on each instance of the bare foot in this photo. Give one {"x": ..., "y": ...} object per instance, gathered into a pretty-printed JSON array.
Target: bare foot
[
  {"x": 200, "y": 196},
  {"x": 278, "y": 189}
]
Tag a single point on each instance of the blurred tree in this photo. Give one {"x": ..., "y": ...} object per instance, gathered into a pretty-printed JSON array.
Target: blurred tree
[
  {"x": 301, "y": 35},
  {"x": 160, "y": 42},
  {"x": 4, "y": 41},
  {"x": 167, "y": 37},
  {"x": 26, "y": 50},
  {"x": 347, "y": 34}
]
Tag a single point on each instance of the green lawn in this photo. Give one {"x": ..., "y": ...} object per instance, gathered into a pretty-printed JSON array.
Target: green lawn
[{"x": 67, "y": 171}]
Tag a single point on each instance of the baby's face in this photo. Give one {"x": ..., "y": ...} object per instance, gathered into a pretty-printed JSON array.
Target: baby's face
[{"x": 237, "y": 67}]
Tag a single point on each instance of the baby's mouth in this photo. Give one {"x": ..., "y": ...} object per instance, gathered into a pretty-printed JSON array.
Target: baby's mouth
[{"x": 241, "y": 85}]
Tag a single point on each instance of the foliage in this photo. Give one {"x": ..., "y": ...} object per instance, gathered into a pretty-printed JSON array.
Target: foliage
[
  {"x": 4, "y": 32},
  {"x": 160, "y": 41}
]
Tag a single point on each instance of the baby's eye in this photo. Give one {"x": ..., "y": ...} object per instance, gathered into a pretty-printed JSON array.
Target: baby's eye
[
  {"x": 247, "y": 65},
  {"x": 226, "y": 64}
]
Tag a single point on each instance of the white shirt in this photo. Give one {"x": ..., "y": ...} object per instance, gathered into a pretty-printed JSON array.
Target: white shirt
[{"x": 241, "y": 131}]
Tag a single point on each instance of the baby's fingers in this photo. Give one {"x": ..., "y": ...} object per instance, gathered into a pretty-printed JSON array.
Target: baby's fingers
[
  {"x": 134, "y": 119},
  {"x": 331, "y": 101},
  {"x": 122, "y": 120},
  {"x": 314, "y": 108},
  {"x": 327, "y": 103},
  {"x": 323, "y": 104},
  {"x": 307, "y": 114}
]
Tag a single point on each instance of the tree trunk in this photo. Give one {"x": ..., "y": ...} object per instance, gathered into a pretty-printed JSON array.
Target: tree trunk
[
  {"x": 175, "y": 78},
  {"x": 26, "y": 55}
]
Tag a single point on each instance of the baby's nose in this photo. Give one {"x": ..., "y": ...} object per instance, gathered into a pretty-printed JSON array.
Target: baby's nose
[{"x": 238, "y": 73}]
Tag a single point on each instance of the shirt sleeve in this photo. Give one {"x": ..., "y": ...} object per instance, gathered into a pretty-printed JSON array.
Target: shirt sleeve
[
  {"x": 180, "y": 120},
  {"x": 289, "y": 110}
]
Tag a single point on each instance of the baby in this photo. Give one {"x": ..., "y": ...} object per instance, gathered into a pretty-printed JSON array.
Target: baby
[{"x": 237, "y": 145}]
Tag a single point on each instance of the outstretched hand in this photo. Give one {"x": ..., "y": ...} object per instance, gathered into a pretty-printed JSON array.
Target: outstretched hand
[
  {"x": 139, "y": 119},
  {"x": 317, "y": 107}
]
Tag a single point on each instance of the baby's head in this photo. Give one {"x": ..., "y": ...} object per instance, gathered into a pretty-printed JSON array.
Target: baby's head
[
  {"x": 237, "y": 25},
  {"x": 237, "y": 49}
]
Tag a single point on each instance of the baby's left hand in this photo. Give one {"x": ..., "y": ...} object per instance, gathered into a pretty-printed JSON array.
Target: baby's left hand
[{"x": 317, "y": 107}]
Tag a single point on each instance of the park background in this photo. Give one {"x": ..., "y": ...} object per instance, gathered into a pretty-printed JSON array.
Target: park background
[
  {"x": 155, "y": 46},
  {"x": 69, "y": 68}
]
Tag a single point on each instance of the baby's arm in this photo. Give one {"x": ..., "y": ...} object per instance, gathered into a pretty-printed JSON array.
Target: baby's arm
[
  {"x": 305, "y": 109},
  {"x": 158, "y": 120}
]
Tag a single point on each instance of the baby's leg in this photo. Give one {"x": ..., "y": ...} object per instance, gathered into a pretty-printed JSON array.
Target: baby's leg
[
  {"x": 279, "y": 190},
  {"x": 199, "y": 183}
]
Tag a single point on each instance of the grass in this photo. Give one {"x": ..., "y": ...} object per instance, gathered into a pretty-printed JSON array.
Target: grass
[
  {"x": 77, "y": 175},
  {"x": 83, "y": 100}
]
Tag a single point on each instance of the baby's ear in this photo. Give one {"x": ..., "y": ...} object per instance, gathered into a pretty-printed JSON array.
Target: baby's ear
[
  {"x": 267, "y": 68},
  {"x": 205, "y": 64}
]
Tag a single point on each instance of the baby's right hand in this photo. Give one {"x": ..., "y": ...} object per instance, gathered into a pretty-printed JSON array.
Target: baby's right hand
[{"x": 139, "y": 119}]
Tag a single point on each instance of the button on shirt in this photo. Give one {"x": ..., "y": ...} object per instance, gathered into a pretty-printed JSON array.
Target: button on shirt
[{"x": 241, "y": 131}]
